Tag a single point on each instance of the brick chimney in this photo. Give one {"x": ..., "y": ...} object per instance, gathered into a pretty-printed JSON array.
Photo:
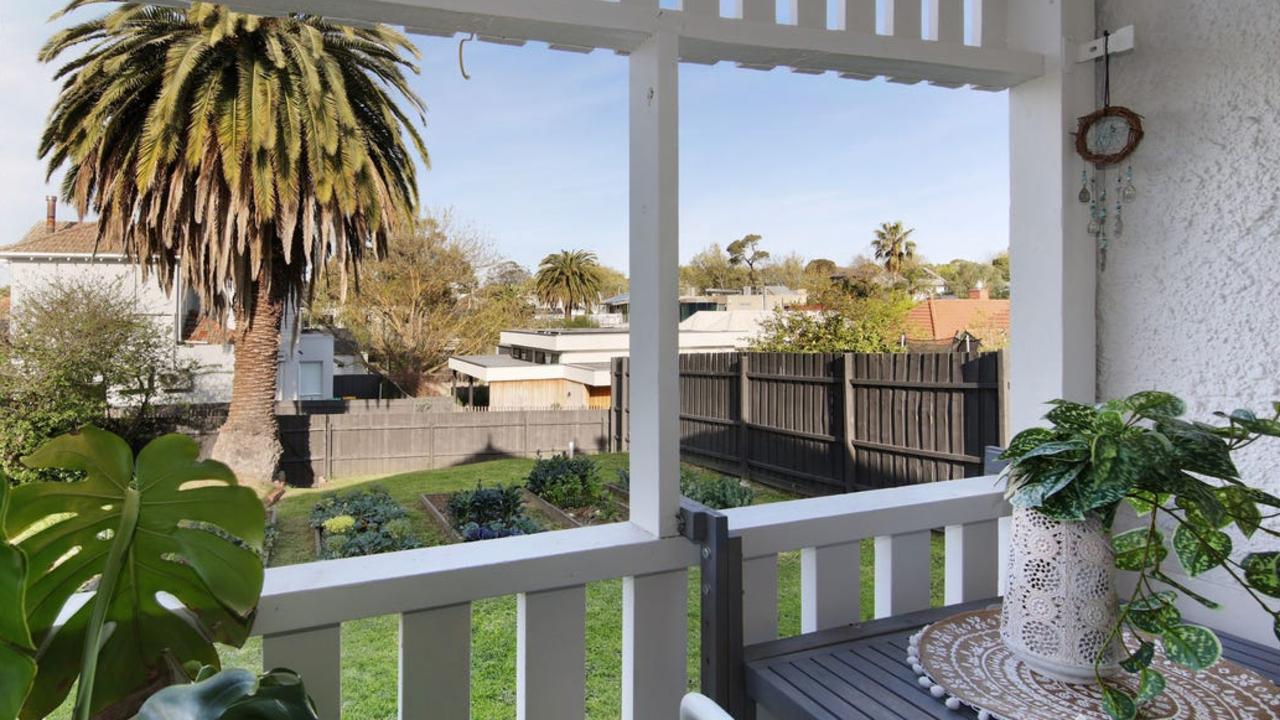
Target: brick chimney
[
  {"x": 51, "y": 213},
  {"x": 979, "y": 292}
]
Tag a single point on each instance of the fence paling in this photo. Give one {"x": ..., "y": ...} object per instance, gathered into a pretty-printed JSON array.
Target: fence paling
[{"x": 826, "y": 422}]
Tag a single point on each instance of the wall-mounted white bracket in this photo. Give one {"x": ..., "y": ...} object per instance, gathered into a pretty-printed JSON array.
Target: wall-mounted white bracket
[{"x": 1120, "y": 41}]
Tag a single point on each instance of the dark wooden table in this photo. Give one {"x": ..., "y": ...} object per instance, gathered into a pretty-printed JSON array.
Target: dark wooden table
[{"x": 860, "y": 671}]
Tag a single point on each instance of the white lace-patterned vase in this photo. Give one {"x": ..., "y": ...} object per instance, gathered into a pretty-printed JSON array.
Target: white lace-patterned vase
[{"x": 1061, "y": 603}]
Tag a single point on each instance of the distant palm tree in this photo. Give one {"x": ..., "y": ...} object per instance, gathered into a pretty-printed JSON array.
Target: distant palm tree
[
  {"x": 569, "y": 278},
  {"x": 893, "y": 246},
  {"x": 234, "y": 154}
]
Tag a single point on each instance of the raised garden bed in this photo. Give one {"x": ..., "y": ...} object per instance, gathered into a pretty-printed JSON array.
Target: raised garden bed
[
  {"x": 572, "y": 487},
  {"x": 486, "y": 513},
  {"x": 366, "y": 522}
]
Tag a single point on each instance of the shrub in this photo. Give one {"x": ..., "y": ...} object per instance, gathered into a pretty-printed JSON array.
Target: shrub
[
  {"x": 624, "y": 478},
  {"x": 564, "y": 481},
  {"x": 339, "y": 525},
  {"x": 373, "y": 506},
  {"x": 77, "y": 348},
  {"x": 363, "y": 522},
  {"x": 399, "y": 529},
  {"x": 499, "y": 529},
  {"x": 488, "y": 513},
  {"x": 715, "y": 491},
  {"x": 485, "y": 505}
]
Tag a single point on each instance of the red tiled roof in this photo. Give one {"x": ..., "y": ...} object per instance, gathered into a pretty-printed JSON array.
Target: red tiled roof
[
  {"x": 69, "y": 238},
  {"x": 944, "y": 318}
]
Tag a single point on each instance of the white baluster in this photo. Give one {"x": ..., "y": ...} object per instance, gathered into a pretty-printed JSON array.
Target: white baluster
[
  {"x": 830, "y": 584},
  {"x": 760, "y": 599},
  {"x": 902, "y": 573},
  {"x": 972, "y": 558},
  {"x": 654, "y": 644},
  {"x": 944, "y": 21},
  {"x": 756, "y": 10},
  {"x": 808, "y": 13},
  {"x": 551, "y": 654},
  {"x": 856, "y": 15},
  {"x": 435, "y": 663},
  {"x": 316, "y": 655},
  {"x": 901, "y": 19},
  {"x": 989, "y": 23}
]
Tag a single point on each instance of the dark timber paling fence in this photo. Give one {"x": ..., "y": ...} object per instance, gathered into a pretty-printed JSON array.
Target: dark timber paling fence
[{"x": 826, "y": 422}]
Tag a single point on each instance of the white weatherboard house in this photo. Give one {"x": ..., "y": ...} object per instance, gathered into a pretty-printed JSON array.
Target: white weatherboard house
[
  {"x": 1198, "y": 255},
  {"x": 65, "y": 251},
  {"x": 570, "y": 368}
]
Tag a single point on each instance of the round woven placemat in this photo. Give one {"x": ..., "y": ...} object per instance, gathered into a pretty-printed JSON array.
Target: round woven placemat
[{"x": 965, "y": 656}]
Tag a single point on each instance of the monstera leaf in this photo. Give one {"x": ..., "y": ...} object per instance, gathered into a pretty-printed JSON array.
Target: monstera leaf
[
  {"x": 233, "y": 695},
  {"x": 17, "y": 653},
  {"x": 165, "y": 525}
]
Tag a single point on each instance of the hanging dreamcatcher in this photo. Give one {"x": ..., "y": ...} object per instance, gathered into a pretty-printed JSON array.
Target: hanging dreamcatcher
[{"x": 1106, "y": 138}]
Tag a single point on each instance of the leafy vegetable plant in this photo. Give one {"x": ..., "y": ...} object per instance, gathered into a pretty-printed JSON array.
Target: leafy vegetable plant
[
  {"x": 133, "y": 530},
  {"x": 362, "y": 522},
  {"x": 1175, "y": 473}
]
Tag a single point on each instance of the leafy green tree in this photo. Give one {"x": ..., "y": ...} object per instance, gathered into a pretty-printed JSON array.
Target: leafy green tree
[
  {"x": 893, "y": 246},
  {"x": 423, "y": 302},
  {"x": 747, "y": 252},
  {"x": 234, "y": 154},
  {"x": 964, "y": 275},
  {"x": 821, "y": 266},
  {"x": 856, "y": 325},
  {"x": 612, "y": 281},
  {"x": 570, "y": 279},
  {"x": 711, "y": 268},
  {"x": 787, "y": 270},
  {"x": 507, "y": 272},
  {"x": 79, "y": 347}
]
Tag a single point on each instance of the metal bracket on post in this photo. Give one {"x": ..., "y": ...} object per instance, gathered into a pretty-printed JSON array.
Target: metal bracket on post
[
  {"x": 723, "y": 672},
  {"x": 1121, "y": 40}
]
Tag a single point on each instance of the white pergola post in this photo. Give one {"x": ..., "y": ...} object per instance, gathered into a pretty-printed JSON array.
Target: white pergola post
[
  {"x": 1052, "y": 256},
  {"x": 655, "y": 270}
]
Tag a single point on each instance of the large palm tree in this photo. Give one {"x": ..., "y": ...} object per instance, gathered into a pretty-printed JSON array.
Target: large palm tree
[
  {"x": 235, "y": 154},
  {"x": 569, "y": 278},
  {"x": 893, "y": 246}
]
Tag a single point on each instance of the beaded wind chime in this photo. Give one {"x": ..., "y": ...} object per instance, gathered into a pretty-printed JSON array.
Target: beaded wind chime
[{"x": 1106, "y": 138}]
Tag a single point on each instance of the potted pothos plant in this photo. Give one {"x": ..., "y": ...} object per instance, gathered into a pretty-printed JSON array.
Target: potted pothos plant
[
  {"x": 1068, "y": 481},
  {"x": 134, "y": 529}
]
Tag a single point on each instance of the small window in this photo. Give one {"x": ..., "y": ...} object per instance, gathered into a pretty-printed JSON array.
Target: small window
[{"x": 311, "y": 379}]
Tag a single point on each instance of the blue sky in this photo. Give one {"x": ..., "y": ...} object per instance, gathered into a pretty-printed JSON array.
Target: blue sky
[{"x": 532, "y": 152}]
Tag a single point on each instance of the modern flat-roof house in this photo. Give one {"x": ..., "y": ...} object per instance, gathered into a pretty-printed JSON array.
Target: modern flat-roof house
[
  {"x": 66, "y": 251},
  {"x": 571, "y": 368}
]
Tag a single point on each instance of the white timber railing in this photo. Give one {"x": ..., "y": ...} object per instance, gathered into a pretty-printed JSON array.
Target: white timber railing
[{"x": 303, "y": 606}]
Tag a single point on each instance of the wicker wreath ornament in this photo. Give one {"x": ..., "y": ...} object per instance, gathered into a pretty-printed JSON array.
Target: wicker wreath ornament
[{"x": 1107, "y": 136}]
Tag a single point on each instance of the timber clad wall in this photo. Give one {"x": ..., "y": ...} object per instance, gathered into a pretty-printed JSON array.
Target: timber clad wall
[
  {"x": 823, "y": 423},
  {"x": 378, "y": 443}
]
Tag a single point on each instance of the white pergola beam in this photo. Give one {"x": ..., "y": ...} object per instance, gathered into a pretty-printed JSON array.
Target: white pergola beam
[{"x": 702, "y": 37}]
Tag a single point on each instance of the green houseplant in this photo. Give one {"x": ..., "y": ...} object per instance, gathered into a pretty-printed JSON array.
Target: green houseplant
[
  {"x": 130, "y": 531},
  {"x": 1180, "y": 479}
]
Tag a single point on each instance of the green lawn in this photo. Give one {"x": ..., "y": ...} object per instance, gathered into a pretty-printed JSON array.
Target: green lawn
[{"x": 369, "y": 663}]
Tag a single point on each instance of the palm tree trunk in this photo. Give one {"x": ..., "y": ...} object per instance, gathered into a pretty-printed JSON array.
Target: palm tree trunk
[
  {"x": 249, "y": 441},
  {"x": 568, "y": 311}
]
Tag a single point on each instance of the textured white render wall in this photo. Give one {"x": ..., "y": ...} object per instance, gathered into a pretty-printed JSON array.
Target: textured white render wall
[{"x": 1188, "y": 301}]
